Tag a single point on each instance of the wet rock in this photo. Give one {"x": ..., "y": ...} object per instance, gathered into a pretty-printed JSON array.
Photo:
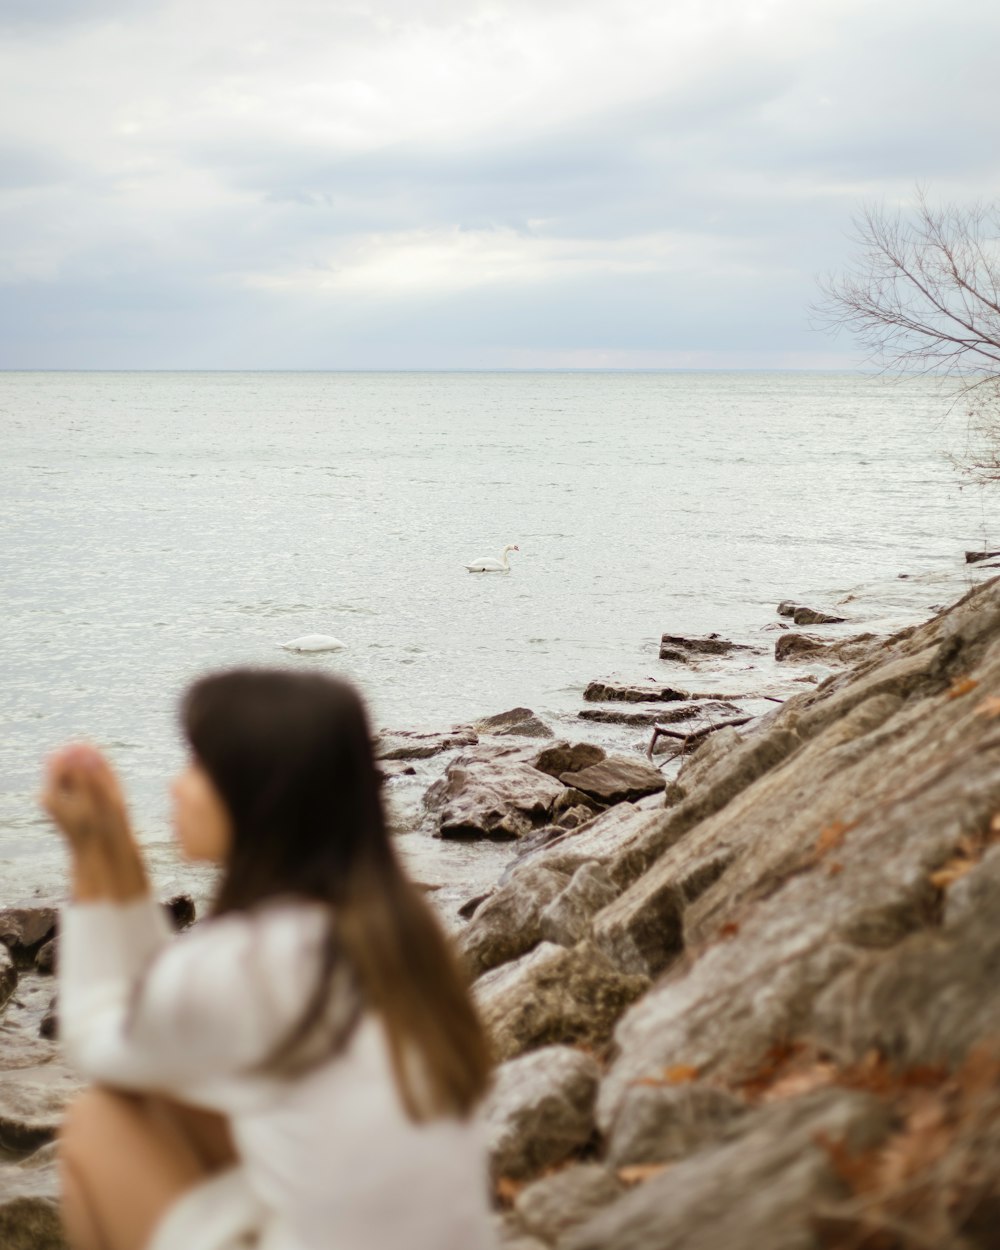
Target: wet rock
[
  {"x": 607, "y": 839},
  {"x": 787, "y": 607},
  {"x": 550, "y": 1207},
  {"x": 813, "y": 616},
  {"x": 519, "y": 721},
  {"x": 500, "y": 800},
  {"x": 46, "y": 960},
  {"x": 805, "y": 647},
  {"x": 8, "y": 977},
  {"x": 973, "y": 557},
  {"x": 618, "y": 716},
  {"x": 471, "y": 906},
  {"x": 408, "y": 745},
  {"x": 540, "y": 1110},
  {"x": 554, "y": 995},
  {"x": 562, "y": 757},
  {"x": 508, "y": 923},
  {"x": 616, "y": 780},
  {"x": 567, "y": 918},
  {"x": 661, "y": 1123},
  {"x": 49, "y": 1026},
  {"x": 682, "y": 649},
  {"x": 761, "y": 1190},
  {"x": 24, "y": 929},
  {"x": 616, "y": 692}
]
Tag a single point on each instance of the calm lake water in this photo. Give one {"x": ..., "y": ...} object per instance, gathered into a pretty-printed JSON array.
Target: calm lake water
[{"x": 159, "y": 525}]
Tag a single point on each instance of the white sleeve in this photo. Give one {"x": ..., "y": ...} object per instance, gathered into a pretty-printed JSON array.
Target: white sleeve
[{"x": 141, "y": 1011}]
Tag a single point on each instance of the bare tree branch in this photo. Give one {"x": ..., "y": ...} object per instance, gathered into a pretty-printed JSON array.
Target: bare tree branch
[{"x": 922, "y": 295}]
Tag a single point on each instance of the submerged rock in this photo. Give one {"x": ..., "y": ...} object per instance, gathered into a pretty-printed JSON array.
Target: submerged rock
[
  {"x": 519, "y": 721},
  {"x": 813, "y": 616},
  {"x": 407, "y": 745},
  {"x": 682, "y": 649},
  {"x": 617, "y": 692}
]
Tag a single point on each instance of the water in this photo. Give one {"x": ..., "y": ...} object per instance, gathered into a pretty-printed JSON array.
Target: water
[{"x": 158, "y": 525}]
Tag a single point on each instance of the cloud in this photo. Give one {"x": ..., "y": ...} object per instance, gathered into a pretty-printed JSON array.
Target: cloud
[{"x": 476, "y": 163}]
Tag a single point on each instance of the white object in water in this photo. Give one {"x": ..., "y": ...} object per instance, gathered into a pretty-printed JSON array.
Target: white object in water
[
  {"x": 488, "y": 565},
  {"x": 314, "y": 642}
]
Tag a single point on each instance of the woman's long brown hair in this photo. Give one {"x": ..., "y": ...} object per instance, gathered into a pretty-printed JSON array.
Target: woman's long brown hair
[{"x": 290, "y": 754}]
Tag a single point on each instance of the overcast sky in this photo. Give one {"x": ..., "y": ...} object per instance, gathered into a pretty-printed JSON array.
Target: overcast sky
[{"x": 456, "y": 183}]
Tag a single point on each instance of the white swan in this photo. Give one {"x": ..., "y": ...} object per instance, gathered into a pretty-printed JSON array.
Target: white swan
[
  {"x": 314, "y": 642},
  {"x": 488, "y": 565}
]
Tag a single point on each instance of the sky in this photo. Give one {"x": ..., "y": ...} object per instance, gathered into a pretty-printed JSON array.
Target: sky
[{"x": 341, "y": 184}]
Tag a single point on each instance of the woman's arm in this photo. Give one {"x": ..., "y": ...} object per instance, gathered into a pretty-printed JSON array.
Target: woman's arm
[{"x": 84, "y": 799}]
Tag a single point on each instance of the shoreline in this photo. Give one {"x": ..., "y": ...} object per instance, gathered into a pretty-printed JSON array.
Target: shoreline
[{"x": 591, "y": 834}]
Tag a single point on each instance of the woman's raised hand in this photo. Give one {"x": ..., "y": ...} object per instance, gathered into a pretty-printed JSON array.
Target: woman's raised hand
[{"x": 83, "y": 797}]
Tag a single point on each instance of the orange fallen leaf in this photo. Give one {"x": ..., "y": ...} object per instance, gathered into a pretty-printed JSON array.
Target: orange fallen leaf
[
  {"x": 989, "y": 706},
  {"x": 729, "y": 929},
  {"x": 832, "y": 836},
  {"x": 805, "y": 1081},
  {"x": 953, "y": 871},
  {"x": 834, "y": 869},
  {"x": 960, "y": 686},
  {"x": 636, "y": 1173},
  {"x": 678, "y": 1074}
]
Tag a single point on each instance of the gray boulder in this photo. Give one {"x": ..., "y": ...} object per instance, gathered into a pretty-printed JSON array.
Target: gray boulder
[
  {"x": 616, "y": 780},
  {"x": 508, "y": 923},
  {"x": 540, "y": 1110},
  {"x": 567, "y": 917},
  {"x": 552, "y": 995},
  {"x": 501, "y": 799}
]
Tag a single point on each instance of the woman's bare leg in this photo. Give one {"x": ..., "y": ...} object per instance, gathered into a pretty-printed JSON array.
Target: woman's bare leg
[{"x": 124, "y": 1160}]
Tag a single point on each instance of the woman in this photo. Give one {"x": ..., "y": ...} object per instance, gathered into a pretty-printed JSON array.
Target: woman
[{"x": 298, "y": 1071}]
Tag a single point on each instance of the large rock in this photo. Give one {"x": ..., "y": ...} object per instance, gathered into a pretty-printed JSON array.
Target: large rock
[
  {"x": 520, "y": 722},
  {"x": 551, "y": 995},
  {"x": 508, "y": 923},
  {"x": 806, "y": 647},
  {"x": 502, "y": 800},
  {"x": 563, "y": 757},
  {"x": 566, "y": 919},
  {"x": 408, "y": 745},
  {"x": 681, "y": 648},
  {"x": 616, "y": 780},
  {"x": 762, "y": 1190},
  {"x": 540, "y": 1110},
  {"x": 617, "y": 692}
]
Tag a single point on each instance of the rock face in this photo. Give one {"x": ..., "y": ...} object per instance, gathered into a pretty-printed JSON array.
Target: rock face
[
  {"x": 501, "y": 799},
  {"x": 540, "y": 1110},
  {"x": 792, "y": 963}
]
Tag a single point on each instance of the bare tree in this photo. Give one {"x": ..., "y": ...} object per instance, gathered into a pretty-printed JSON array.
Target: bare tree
[{"x": 922, "y": 295}]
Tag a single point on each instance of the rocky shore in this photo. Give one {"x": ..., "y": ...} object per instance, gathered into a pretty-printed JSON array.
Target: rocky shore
[{"x": 742, "y": 970}]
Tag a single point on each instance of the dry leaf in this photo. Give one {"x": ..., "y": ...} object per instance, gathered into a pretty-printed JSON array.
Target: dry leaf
[
  {"x": 678, "y": 1074},
  {"x": 834, "y": 869},
  {"x": 805, "y": 1081},
  {"x": 832, "y": 836},
  {"x": 507, "y": 1189},
  {"x": 960, "y": 686},
  {"x": 952, "y": 871},
  {"x": 636, "y": 1173},
  {"x": 729, "y": 929}
]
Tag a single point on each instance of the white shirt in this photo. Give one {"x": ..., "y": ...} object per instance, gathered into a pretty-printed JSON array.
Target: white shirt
[{"x": 330, "y": 1155}]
